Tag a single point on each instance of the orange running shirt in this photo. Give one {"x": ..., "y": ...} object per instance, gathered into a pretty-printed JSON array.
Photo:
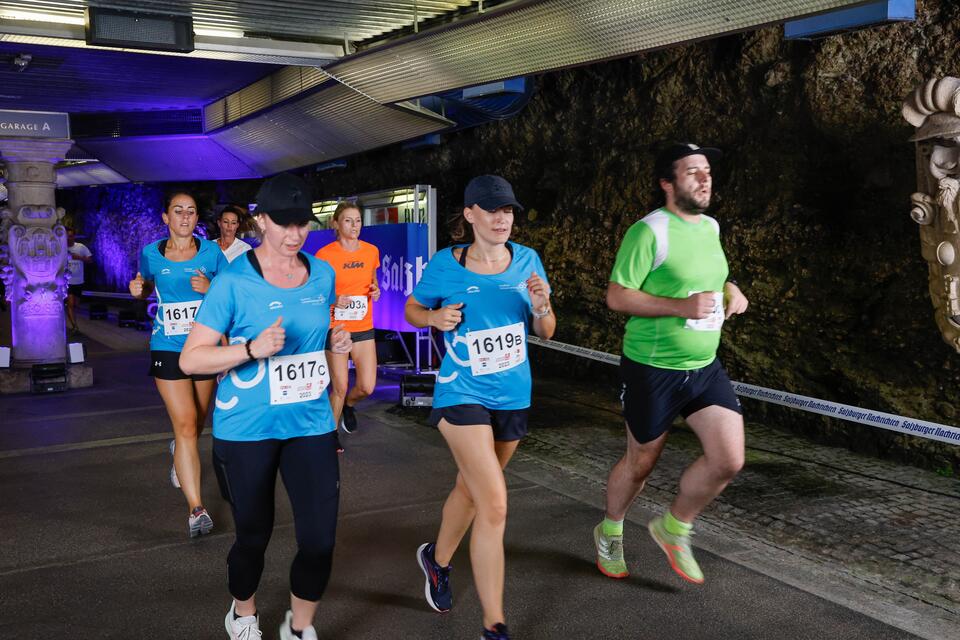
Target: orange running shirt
[{"x": 355, "y": 271}]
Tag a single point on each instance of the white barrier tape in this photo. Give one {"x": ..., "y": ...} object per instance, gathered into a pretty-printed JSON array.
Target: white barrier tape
[{"x": 910, "y": 426}]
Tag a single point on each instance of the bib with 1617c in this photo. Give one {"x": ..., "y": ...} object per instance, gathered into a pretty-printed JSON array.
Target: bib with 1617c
[
  {"x": 498, "y": 349},
  {"x": 356, "y": 309},
  {"x": 178, "y": 317},
  {"x": 297, "y": 378},
  {"x": 712, "y": 322}
]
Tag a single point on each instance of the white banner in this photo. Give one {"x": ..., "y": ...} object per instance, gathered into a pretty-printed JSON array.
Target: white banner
[{"x": 911, "y": 426}]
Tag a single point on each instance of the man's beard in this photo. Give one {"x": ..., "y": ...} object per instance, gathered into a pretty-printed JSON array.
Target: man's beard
[{"x": 687, "y": 202}]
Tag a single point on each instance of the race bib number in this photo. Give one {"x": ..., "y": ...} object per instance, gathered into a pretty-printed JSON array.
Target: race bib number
[
  {"x": 75, "y": 267},
  {"x": 496, "y": 350},
  {"x": 712, "y": 322},
  {"x": 177, "y": 317},
  {"x": 356, "y": 309},
  {"x": 298, "y": 378}
]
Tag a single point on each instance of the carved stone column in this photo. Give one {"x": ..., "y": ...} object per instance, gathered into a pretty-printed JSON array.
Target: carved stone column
[
  {"x": 33, "y": 249},
  {"x": 934, "y": 109}
]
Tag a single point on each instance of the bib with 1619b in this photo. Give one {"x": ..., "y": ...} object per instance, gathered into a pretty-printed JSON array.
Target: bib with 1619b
[{"x": 498, "y": 349}]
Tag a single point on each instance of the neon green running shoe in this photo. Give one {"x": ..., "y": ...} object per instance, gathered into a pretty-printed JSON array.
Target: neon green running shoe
[
  {"x": 678, "y": 551},
  {"x": 609, "y": 554}
]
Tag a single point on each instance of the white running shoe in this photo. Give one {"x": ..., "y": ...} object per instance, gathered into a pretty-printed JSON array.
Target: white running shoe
[
  {"x": 174, "y": 480},
  {"x": 243, "y": 628},
  {"x": 286, "y": 630},
  {"x": 199, "y": 523}
]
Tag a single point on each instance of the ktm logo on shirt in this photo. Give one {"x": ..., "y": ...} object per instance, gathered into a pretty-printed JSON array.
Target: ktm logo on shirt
[{"x": 353, "y": 265}]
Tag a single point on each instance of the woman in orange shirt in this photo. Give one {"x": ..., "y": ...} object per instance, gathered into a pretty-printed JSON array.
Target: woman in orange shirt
[{"x": 355, "y": 263}]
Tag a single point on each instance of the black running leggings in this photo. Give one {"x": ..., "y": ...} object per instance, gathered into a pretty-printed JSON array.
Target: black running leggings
[{"x": 247, "y": 474}]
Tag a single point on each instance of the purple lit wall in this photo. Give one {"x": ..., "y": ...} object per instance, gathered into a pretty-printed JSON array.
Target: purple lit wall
[{"x": 117, "y": 221}]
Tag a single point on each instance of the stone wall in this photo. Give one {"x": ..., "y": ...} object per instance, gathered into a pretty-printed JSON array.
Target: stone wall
[{"x": 812, "y": 198}]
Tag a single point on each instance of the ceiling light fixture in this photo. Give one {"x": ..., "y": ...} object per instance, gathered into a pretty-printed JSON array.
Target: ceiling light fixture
[
  {"x": 39, "y": 16},
  {"x": 217, "y": 32}
]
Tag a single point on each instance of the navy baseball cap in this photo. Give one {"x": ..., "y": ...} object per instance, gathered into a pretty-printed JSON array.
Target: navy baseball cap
[
  {"x": 490, "y": 193},
  {"x": 286, "y": 199},
  {"x": 677, "y": 150}
]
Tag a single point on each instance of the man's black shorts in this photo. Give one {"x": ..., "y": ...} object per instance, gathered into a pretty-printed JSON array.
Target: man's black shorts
[
  {"x": 652, "y": 397},
  {"x": 166, "y": 366},
  {"x": 75, "y": 290},
  {"x": 508, "y": 424}
]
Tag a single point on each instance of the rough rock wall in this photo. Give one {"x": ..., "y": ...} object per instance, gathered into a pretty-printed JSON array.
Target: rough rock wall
[{"x": 812, "y": 198}]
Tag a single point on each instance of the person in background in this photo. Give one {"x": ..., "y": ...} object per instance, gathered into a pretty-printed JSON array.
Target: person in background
[
  {"x": 355, "y": 262},
  {"x": 228, "y": 221},
  {"x": 79, "y": 255},
  {"x": 179, "y": 268}
]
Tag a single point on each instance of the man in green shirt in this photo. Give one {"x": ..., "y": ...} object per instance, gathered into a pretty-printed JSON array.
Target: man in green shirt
[{"x": 670, "y": 277}]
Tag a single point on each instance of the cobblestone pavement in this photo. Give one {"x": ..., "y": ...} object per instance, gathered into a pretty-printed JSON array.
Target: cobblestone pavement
[{"x": 888, "y": 533}]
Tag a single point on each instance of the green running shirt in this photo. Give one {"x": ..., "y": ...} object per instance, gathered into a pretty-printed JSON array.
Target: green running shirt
[{"x": 665, "y": 256}]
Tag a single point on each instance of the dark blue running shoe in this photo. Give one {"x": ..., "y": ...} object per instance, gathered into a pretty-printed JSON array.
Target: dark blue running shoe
[
  {"x": 437, "y": 587},
  {"x": 499, "y": 632}
]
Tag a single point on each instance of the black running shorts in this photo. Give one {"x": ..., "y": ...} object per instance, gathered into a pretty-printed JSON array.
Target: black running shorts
[
  {"x": 165, "y": 365},
  {"x": 508, "y": 424},
  {"x": 358, "y": 336},
  {"x": 653, "y": 397}
]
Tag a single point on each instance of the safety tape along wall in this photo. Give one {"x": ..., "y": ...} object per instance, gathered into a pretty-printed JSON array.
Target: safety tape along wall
[{"x": 911, "y": 426}]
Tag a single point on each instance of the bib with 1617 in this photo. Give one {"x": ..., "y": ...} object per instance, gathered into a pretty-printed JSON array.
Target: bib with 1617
[
  {"x": 498, "y": 349},
  {"x": 297, "y": 378},
  {"x": 178, "y": 317}
]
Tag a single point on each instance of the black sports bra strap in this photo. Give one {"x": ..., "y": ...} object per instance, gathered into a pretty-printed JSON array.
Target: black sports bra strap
[
  {"x": 162, "y": 247},
  {"x": 463, "y": 254}
]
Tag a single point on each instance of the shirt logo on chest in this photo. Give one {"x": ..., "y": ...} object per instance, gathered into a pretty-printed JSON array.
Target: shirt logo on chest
[
  {"x": 353, "y": 265},
  {"x": 276, "y": 304},
  {"x": 473, "y": 289}
]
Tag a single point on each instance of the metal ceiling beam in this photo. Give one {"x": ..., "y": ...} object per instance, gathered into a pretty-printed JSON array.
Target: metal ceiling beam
[
  {"x": 537, "y": 36},
  {"x": 326, "y": 20},
  {"x": 207, "y": 47}
]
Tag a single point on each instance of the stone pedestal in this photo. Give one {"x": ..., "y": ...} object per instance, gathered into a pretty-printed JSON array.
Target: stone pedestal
[{"x": 33, "y": 250}]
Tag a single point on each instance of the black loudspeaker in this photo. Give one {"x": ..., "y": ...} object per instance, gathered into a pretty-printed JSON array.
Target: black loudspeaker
[
  {"x": 416, "y": 390},
  {"x": 126, "y": 318},
  {"x": 137, "y": 30},
  {"x": 48, "y": 378}
]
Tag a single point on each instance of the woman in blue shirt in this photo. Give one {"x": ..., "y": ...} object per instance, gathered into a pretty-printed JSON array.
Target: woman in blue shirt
[
  {"x": 272, "y": 411},
  {"x": 485, "y": 297},
  {"x": 179, "y": 268}
]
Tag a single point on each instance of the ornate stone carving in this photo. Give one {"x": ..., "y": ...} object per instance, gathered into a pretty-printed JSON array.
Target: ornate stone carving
[{"x": 934, "y": 109}]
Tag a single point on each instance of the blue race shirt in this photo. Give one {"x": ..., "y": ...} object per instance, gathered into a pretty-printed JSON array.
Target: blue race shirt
[
  {"x": 490, "y": 302},
  {"x": 172, "y": 283},
  {"x": 241, "y": 304}
]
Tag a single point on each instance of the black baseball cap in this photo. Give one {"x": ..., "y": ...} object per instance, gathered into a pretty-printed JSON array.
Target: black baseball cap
[
  {"x": 286, "y": 199},
  {"x": 490, "y": 193},
  {"x": 676, "y": 150}
]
